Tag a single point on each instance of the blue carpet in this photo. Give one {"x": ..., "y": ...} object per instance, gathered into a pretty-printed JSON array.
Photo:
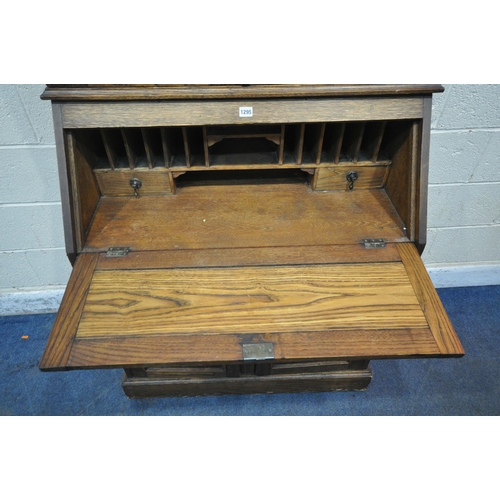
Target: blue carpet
[{"x": 466, "y": 386}]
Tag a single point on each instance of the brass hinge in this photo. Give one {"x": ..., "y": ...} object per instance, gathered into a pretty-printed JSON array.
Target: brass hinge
[
  {"x": 374, "y": 243},
  {"x": 117, "y": 251}
]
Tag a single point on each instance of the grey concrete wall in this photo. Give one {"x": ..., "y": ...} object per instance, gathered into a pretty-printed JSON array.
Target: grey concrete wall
[
  {"x": 32, "y": 251},
  {"x": 464, "y": 193}
]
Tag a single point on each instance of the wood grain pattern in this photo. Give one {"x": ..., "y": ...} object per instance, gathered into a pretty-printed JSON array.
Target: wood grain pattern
[
  {"x": 245, "y": 300},
  {"x": 154, "y": 91},
  {"x": 64, "y": 330},
  {"x": 151, "y": 350},
  {"x": 172, "y": 113},
  {"x": 439, "y": 323},
  {"x": 117, "y": 182},
  {"x": 334, "y": 178},
  {"x": 230, "y": 257},
  {"x": 248, "y": 216}
]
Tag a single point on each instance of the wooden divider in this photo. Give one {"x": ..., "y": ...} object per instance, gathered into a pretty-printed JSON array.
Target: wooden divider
[{"x": 314, "y": 144}]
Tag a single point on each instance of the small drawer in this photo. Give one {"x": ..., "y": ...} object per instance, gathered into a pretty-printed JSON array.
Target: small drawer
[{"x": 117, "y": 182}]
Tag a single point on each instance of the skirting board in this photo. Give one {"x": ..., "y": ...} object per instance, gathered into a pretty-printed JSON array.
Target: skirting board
[
  {"x": 461, "y": 276},
  {"x": 31, "y": 301},
  {"x": 47, "y": 300}
]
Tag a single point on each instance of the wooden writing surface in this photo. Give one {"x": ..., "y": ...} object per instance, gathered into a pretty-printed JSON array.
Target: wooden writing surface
[
  {"x": 244, "y": 216},
  {"x": 336, "y": 311}
]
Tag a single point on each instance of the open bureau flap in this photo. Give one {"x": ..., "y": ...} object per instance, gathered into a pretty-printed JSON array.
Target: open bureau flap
[{"x": 304, "y": 289}]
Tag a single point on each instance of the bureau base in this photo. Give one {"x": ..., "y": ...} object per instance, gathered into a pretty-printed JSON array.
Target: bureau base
[{"x": 354, "y": 376}]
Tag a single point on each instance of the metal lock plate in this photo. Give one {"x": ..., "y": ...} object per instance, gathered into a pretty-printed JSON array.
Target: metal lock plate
[
  {"x": 374, "y": 243},
  {"x": 258, "y": 352},
  {"x": 117, "y": 251}
]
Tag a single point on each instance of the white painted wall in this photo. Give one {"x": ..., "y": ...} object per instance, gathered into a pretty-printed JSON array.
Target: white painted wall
[{"x": 464, "y": 194}]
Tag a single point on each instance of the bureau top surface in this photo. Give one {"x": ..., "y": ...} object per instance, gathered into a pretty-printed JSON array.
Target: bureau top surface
[{"x": 105, "y": 92}]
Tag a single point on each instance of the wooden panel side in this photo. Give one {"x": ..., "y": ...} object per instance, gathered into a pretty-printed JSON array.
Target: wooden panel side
[
  {"x": 304, "y": 346},
  {"x": 163, "y": 114},
  {"x": 64, "y": 185},
  {"x": 85, "y": 190},
  {"x": 422, "y": 187},
  {"x": 414, "y": 176},
  {"x": 399, "y": 180},
  {"x": 439, "y": 323},
  {"x": 64, "y": 330}
]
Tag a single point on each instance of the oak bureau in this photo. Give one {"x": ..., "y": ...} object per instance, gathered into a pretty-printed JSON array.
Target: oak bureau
[{"x": 230, "y": 239}]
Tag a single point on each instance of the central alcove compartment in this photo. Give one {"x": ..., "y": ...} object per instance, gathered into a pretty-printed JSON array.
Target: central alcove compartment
[{"x": 242, "y": 177}]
